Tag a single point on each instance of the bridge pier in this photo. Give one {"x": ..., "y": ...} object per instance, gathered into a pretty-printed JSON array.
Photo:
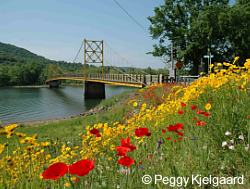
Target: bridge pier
[
  {"x": 54, "y": 84},
  {"x": 94, "y": 90}
]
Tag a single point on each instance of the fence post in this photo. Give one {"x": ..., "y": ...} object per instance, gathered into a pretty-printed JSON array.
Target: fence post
[
  {"x": 160, "y": 78},
  {"x": 144, "y": 79}
]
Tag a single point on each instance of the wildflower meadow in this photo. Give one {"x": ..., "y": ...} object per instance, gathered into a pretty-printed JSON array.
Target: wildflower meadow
[{"x": 169, "y": 130}]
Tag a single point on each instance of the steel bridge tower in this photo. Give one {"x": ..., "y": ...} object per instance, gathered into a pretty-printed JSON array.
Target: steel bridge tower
[{"x": 93, "y": 54}]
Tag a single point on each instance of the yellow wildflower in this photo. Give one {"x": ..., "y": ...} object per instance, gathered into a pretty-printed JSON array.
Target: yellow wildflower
[
  {"x": 208, "y": 106},
  {"x": 143, "y": 107},
  {"x": 45, "y": 144},
  {"x": 236, "y": 59},
  {"x": 226, "y": 64},
  {"x": 67, "y": 184},
  {"x": 1, "y": 148},
  {"x": 9, "y": 130},
  {"x": 112, "y": 147},
  {"x": 135, "y": 104},
  {"x": 20, "y": 134},
  {"x": 41, "y": 176},
  {"x": 247, "y": 64}
]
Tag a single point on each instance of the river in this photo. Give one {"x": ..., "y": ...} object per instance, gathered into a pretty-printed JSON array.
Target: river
[{"x": 37, "y": 104}]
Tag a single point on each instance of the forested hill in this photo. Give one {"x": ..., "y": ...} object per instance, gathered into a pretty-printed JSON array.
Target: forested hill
[
  {"x": 12, "y": 54},
  {"x": 19, "y": 66}
]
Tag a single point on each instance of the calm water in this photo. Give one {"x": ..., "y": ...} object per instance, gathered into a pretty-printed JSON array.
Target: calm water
[{"x": 30, "y": 104}]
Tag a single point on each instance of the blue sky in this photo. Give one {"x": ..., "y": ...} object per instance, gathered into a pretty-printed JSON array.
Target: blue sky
[{"x": 56, "y": 28}]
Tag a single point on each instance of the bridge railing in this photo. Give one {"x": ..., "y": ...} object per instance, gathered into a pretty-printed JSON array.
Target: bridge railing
[
  {"x": 124, "y": 78},
  {"x": 131, "y": 78},
  {"x": 186, "y": 79}
]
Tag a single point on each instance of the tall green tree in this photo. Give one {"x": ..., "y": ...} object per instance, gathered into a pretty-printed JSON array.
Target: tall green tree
[
  {"x": 4, "y": 77},
  {"x": 238, "y": 28},
  {"x": 198, "y": 26},
  {"x": 53, "y": 70}
]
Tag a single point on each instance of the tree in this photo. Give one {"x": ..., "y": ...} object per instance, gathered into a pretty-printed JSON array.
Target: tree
[
  {"x": 4, "y": 77},
  {"x": 53, "y": 70},
  {"x": 238, "y": 27},
  {"x": 192, "y": 26}
]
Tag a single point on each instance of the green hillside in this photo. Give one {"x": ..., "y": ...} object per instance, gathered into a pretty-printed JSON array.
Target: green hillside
[
  {"x": 19, "y": 66},
  {"x": 12, "y": 54}
]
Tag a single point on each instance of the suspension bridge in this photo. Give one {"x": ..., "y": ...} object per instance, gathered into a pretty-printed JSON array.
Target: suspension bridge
[{"x": 95, "y": 82}]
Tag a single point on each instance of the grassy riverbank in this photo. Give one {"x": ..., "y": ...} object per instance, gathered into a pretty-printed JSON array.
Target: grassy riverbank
[
  {"x": 169, "y": 130},
  {"x": 66, "y": 129}
]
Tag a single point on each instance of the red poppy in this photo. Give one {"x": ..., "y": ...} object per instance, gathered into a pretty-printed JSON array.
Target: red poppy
[
  {"x": 139, "y": 163},
  {"x": 200, "y": 112},
  {"x": 82, "y": 167},
  {"x": 193, "y": 107},
  {"x": 200, "y": 123},
  {"x": 142, "y": 132},
  {"x": 122, "y": 151},
  {"x": 206, "y": 114},
  {"x": 248, "y": 117},
  {"x": 175, "y": 140},
  {"x": 176, "y": 127},
  {"x": 163, "y": 131},
  {"x": 168, "y": 138},
  {"x": 180, "y": 139},
  {"x": 55, "y": 171},
  {"x": 180, "y": 133},
  {"x": 126, "y": 161},
  {"x": 126, "y": 143},
  {"x": 180, "y": 112},
  {"x": 95, "y": 132},
  {"x": 183, "y": 104}
]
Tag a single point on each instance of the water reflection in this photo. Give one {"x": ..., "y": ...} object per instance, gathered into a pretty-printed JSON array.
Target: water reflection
[{"x": 17, "y": 105}]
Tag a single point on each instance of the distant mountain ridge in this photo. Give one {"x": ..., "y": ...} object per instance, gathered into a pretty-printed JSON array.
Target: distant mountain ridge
[
  {"x": 19, "y": 66},
  {"x": 12, "y": 54}
]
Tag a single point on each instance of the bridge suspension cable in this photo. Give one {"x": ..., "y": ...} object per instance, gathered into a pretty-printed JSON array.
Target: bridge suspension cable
[
  {"x": 78, "y": 52},
  {"x": 133, "y": 78},
  {"x": 127, "y": 64}
]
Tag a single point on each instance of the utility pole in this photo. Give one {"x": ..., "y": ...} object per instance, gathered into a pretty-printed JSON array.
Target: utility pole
[
  {"x": 209, "y": 57},
  {"x": 172, "y": 74},
  {"x": 172, "y": 55}
]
